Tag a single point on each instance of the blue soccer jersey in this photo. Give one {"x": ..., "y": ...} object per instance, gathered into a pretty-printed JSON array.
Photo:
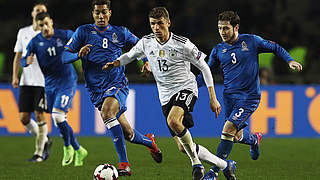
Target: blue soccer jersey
[
  {"x": 59, "y": 78},
  {"x": 240, "y": 64},
  {"x": 106, "y": 47}
]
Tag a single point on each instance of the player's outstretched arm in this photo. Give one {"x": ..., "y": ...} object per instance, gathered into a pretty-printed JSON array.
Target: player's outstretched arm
[
  {"x": 295, "y": 65},
  {"x": 111, "y": 65},
  {"x": 214, "y": 103}
]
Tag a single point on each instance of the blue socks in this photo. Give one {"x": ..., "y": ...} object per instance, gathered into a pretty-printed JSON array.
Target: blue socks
[
  {"x": 138, "y": 138},
  {"x": 247, "y": 138},
  {"x": 73, "y": 140},
  {"x": 117, "y": 137},
  {"x": 67, "y": 135},
  {"x": 64, "y": 131},
  {"x": 224, "y": 149}
]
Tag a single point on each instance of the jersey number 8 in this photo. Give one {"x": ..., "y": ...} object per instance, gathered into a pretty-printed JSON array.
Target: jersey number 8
[{"x": 105, "y": 43}]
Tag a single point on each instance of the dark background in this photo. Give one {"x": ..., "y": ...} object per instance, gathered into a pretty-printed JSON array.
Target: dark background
[{"x": 290, "y": 23}]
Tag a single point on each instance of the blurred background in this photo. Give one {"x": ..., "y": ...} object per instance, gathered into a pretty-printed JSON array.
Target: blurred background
[{"x": 294, "y": 24}]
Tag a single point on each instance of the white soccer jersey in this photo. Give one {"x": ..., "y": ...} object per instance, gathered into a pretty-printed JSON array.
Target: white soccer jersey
[
  {"x": 32, "y": 74},
  {"x": 170, "y": 63}
]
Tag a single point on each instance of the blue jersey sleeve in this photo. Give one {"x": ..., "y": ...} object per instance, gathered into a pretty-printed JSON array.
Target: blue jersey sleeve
[
  {"x": 70, "y": 54},
  {"x": 213, "y": 63},
  {"x": 270, "y": 46},
  {"x": 130, "y": 37},
  {"x": 75, "y": 41}
]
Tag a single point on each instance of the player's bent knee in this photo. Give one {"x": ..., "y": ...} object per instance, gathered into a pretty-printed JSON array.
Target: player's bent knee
[
  {"x": 107, "y": 114},
  {"x": 25, "y": 118},
  {"x": 58, "y": 117}
]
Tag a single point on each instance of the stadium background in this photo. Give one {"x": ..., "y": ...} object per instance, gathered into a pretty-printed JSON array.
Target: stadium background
[{"x": 288, "y": 113}]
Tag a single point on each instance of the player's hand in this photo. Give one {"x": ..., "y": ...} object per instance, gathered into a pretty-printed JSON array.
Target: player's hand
[
  {"x": 111, "y": 65},
  {"x": 215, "y": 106},
  {"x": 30, "y": 58},
  {"x": 295, "y": 65},
  {"x": 145, "y": 69},
  {"x": 15, "y": 82},
  {"x": 84, "y": 50}
]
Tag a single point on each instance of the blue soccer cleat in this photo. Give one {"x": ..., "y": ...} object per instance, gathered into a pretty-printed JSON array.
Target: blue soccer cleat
[
  {"x": 254, "y": 149},
  {"x": 210, "y": 175},
  {"x": 229, "y": 171},
  {"x": 197, "y": 172}
]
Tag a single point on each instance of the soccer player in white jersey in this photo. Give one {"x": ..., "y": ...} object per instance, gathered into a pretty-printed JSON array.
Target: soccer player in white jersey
[
  {"x": 32, "y": 96},
  {"x": 169, "y": 58}
]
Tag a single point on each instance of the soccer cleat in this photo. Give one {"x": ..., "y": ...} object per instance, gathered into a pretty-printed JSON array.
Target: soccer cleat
[
  {"x": 68, "y": 153},
  {"x": 124, "y": 169},
  {"x": 81, "y": 154},
  {"x": 254, "y": 149},
  {"x": 210, "y": 175},
  {"x": 229, "y": 171},
  {"x": 154, "y": 151},
  {"x": 197, "y": 172},
  {"x": 35, "y": 158},
  {"x": 46, "y": 149}
]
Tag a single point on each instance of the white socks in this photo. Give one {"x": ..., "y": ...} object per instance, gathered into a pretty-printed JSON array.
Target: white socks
[
  {"x": 206, "y": 156},
  {"x": 32, "y": 127},
  {"x": 42, "y": 138},
  {"x": 187, "y": 143}
]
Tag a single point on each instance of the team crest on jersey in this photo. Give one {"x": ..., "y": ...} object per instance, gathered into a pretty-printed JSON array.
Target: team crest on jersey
[
  {"x": 59, "y": 42},
  {"x": 224, "y": 50},
  {"x": 244, "y": 46},
  {"x": 162, "y": 53},
  {"x": 114, "y": 38},
  {"x": 172, "y": 53},
  {"x": 41, "y": 43}
]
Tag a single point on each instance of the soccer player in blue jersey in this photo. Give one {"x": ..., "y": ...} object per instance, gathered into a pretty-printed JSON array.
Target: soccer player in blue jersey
[
  {"x": 238, "y": 57},
  {"x": 97, "y": 44},
  {"x": 60, "y": 81}
]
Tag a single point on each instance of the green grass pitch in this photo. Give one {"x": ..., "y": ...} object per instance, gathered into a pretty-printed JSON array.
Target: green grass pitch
[{"x": 281, "y": 159}]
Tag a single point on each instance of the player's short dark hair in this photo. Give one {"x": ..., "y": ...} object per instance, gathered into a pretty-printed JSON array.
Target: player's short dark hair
[
  {"x": 159, "y": 12},
  {"x": 101, "y": 2},
  {"x": 39, "y": 4},
  {"x": 41, "y": 16},
  {"x": 230, "y": 16}
]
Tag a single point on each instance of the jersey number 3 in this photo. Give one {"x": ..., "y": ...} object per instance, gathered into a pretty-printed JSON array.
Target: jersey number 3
[{"x": 234, "y": 59}]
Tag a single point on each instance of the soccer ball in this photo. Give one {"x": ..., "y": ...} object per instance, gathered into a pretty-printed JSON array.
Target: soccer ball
[{"x": 105, "y": 172}]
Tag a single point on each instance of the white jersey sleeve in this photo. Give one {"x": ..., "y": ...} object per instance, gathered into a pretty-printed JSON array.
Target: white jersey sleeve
[
  {"x": 137, "y": 52},
  {"x": 197, "y": 57},
  {"x": 19, "y": 46}
]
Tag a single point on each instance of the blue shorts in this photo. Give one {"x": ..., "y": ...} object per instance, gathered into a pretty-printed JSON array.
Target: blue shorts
[
  {"x": 238, "y": 111},
  {"x": 120, "y": 93},
  {"x": 60, "y": 98}
]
